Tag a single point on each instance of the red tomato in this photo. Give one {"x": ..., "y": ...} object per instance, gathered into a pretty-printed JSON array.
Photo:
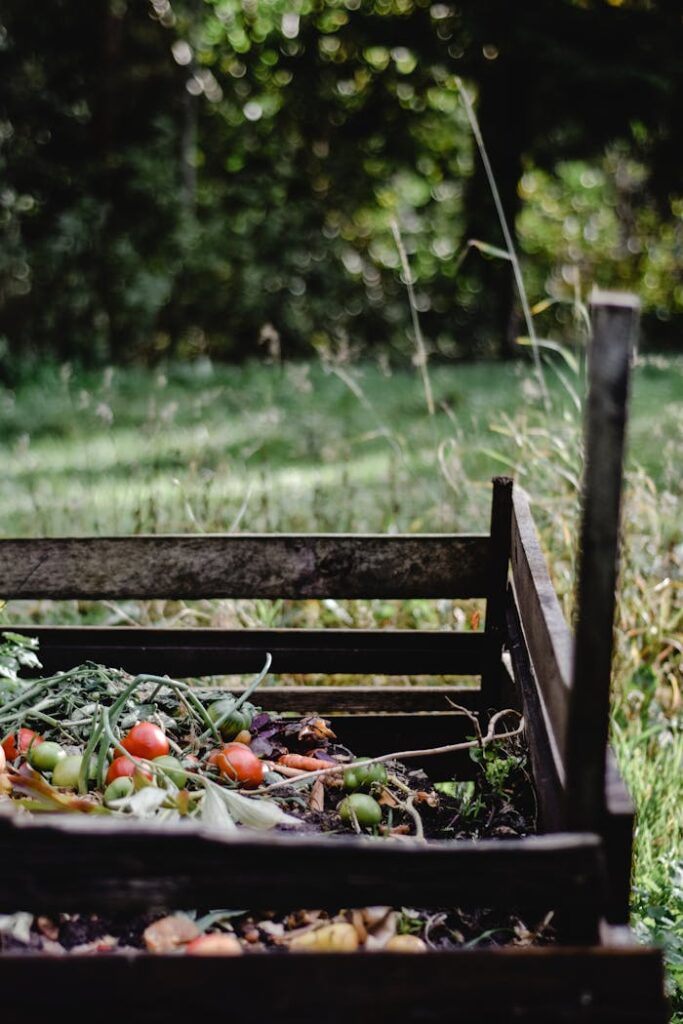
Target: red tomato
[
  {"x": 146, "y": 740},
  {"x": 25, "y": 738},
  {"x": 123, "y": 766},
  {"x": 237, "y": 762}
]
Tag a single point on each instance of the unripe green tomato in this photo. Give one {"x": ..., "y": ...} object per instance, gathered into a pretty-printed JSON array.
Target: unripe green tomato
[
  {"x": 360, "y": 776},
  {"x": 367, "y": 810},
  {"x": 236, "y": 720},
  {"x": 172, "y": 768},
  {"x": 44, "y": 756},
  {"x": 118, "y": 789},
  {"x": 65, "y": 773}
]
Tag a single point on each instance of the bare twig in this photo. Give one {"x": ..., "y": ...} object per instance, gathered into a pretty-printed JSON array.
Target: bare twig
[{"x": 409, "y": 806}]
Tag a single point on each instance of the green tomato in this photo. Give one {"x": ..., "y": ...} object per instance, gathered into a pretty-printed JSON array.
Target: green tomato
[
  {"x": 367, "y": 810},
  {"x": 118, "y": 789},
  {"x": 44, "y": 756},
  {"x": 234, "y": 721},
  {"x": 360, "y": 776},
  {"x": 65, "y": 773},
  {"x": 172, "y": 768}
]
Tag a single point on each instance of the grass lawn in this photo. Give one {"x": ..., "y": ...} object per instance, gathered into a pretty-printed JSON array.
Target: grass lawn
[{"x": 350, "y": 447}]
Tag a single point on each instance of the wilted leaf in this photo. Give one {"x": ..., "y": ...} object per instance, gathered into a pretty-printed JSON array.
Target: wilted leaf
[
  {"x": 48, "y": 798},
  {"x": 254, "y": 812},
  {"x": 142, "y": 804},
  {"x": 214, "y": 813}
]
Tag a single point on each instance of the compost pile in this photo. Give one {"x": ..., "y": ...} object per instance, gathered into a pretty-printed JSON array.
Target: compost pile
[{"x": 98, "y": 741}]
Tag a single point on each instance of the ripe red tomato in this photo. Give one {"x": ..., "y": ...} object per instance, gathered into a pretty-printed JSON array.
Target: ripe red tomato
[
  {"x": 123, "y": 767},
  {"x": 237, "y": 762},
  {"x": 146, "y": 740},
  {"x": 18, "y": 743}
]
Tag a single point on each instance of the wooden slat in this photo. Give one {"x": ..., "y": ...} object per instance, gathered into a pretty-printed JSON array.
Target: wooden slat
[
  {"x": 94, "y": 865},
  {"x": 534, "y": 985},
  {"x": 205, "y": 652},
  {"x": 546, "y": 632},
  {"x": 546, "y": 763},
  {"x": 618, "y": 835},
  {"x": 615, "y": 323},
  {"x": 499, "y": 558},
  {"x": 549, "y": 778},
  {"x": 246, "y": 565}
]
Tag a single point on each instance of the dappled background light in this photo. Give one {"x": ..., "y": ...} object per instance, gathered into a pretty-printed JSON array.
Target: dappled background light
[{"x": 174, "y": 171}]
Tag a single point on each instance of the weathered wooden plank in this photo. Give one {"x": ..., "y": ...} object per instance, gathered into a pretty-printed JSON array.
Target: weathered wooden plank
[
  {"x": 546, "y": 763},
  {"x": 615, "y": 323},
  {"x": 95, "y": 865},
  {"x": 246, "y": 565},
  {"x": 536, "y": 985},
  {"x": 499, "y": 558},
  {"x": 545, "y": 629},
  {"x": 206, "y": 652},
  {"x": 618, "y": 836}
]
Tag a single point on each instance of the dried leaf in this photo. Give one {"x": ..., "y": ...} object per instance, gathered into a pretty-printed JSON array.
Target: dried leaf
[
  {"x": 387, "y": 799},
  {"x": 431, "y": 799},
  {"x": 314, "y": 730},
  {"x": 316, "y": 801},
  {"x": 47, "y": 927},
  {"x": 170, "y": 933}
]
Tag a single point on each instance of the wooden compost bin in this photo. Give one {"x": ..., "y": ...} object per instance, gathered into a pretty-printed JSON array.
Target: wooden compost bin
[{"x": 578, "y": 866}]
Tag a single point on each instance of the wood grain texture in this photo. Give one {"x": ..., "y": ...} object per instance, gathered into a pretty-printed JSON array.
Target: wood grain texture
[
  {"x": 615, "y": 322},
  {"x": 206, "y": 652},
  {"x": 69, "y": 863},
  {"x": 499, "y": 559},
  {"x": 550, "y": 985},
  {"x": 618, "y": 836},
  {"x": 546, "y": 763},
  {"x": 547, "y": 636},
  {"x": 246, "y": 565}
]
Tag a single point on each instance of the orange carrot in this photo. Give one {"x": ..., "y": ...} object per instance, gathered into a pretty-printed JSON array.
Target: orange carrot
[{"x": 304, "y": 764}]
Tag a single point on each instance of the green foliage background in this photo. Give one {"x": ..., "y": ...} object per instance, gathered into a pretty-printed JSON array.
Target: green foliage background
[{"x": 194, "y": 176}]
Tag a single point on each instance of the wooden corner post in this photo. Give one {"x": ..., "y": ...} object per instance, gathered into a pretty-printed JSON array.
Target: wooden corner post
[{"x": 614, "y": 321}]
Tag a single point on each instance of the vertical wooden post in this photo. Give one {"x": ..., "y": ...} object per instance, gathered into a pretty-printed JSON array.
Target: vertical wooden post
[
  {"x": 496, "y": 591},
  {"x": 614, "y": 320}
]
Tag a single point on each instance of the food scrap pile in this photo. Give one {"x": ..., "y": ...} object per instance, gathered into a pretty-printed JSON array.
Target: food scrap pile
[
  {"x": 95, "y": 740},
  {"x": 238, "y": 932}
]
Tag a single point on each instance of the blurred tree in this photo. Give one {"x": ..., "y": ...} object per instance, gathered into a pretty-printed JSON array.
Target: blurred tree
[{"x": 180, "y": 176}]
